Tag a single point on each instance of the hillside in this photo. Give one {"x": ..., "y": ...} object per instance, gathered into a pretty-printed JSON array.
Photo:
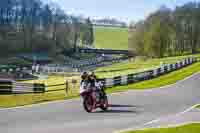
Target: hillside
[{"x": 111, "y": 38}]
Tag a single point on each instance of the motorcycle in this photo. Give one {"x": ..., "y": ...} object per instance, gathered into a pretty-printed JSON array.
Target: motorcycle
[{"x": 95, "y": 98}]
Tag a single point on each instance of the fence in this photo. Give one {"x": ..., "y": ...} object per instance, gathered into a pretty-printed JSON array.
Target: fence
[
  {"x": 137, "y": 77},
  {"x": 15, "y": 69},
  {"x": 9, "y": 86},
  {"x": 75, "y": 67}
]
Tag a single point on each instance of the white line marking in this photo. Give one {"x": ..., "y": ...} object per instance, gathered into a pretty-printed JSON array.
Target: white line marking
[
  {"x": 187, "y": 110},
  {"x": 169, "y": 126},
  {"x": 151, "y": 122},
  {"x": 178, "y": 114},
  {"x": 159, "y": 119}
]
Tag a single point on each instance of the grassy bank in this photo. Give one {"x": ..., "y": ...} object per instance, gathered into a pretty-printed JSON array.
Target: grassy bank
[
  {"x": 190, "y": 128},
  {"x": 198, "y": 106},
  {"x": 7, "y": 101},
  {"x": 135, "y": 66},
  {"x": 111, "y": 38}
]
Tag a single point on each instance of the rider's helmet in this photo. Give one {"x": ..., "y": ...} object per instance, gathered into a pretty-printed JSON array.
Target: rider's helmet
[
  {"x": 93, "y": 75},
  {"x": 84, "y": 75}
]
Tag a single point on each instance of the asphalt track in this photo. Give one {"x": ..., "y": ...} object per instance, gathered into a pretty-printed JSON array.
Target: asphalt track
[{"x": 130, "y": 109}]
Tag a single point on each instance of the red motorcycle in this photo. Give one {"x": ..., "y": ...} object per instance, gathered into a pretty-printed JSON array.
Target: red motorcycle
[{"x": 93, "y": 99}]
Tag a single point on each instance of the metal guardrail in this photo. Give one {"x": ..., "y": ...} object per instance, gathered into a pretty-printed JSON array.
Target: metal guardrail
[
  {"x": 137, "y": 77},
  {"x": 10, "y": 87},
  {"x": 103, "y": 51}
]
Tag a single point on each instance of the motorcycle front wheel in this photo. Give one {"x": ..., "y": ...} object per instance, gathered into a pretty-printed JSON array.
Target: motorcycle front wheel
[{"x": 88, "y": 104}]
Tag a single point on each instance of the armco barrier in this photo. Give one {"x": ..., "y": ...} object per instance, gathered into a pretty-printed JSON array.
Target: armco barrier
[
  {"x": 133, "y": 78},
  {"x": 8, "y": 86},
  {"x": 39, "y": 88}
]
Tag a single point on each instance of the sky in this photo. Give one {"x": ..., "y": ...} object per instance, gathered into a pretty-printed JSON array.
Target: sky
[{"x": 126, "y": 10}]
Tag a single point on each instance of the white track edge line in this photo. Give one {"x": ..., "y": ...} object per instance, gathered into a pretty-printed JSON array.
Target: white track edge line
[
  {"x": 157, "y": 120},
  {"x": 168, "y": 126}
]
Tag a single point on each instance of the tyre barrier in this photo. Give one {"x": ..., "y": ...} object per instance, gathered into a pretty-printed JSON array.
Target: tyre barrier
[{"x": 137, "y": 77}]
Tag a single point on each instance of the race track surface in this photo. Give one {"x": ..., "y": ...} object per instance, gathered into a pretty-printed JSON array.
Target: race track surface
[{"x": 130, "y": 109}]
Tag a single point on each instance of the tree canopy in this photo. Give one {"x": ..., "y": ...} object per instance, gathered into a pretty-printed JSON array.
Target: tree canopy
[
  {"x": 167, "y": 32},
  {"x": 32, "y": 26}
]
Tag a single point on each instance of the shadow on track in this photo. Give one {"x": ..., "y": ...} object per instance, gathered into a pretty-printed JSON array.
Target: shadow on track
[
  {"x": 117, "y": 111},
  {"x": 122, "y": 106},
  {"x": 115, "y": 108}
]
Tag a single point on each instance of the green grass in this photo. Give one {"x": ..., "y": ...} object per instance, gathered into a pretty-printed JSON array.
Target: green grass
[
  {"x": 27, "y": 99},
  {"x": 139, "y": 65},
  {"x": 198, "y": 106},
  {"x": 111, "y": 38},
  {"x": 190, "y": 128}
]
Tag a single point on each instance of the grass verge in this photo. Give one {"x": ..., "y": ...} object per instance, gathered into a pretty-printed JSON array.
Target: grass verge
[
  {"x": 190, "y": 128},
  {"x": 138, "y": 65},
  {"x": 7, "y": 101},
  {"x": 21, "y": 100},
  {"x": 198, "y": 106}
]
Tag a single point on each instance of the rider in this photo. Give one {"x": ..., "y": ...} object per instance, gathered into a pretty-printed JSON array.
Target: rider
[
  {"x": 92, "y": 79},
  {"x": 94, "y": 83},
  {"x": 84, "y": 82}
]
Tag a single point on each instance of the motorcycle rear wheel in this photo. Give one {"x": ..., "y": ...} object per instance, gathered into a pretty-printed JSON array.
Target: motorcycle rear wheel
[{"x": 105, "y": 105}]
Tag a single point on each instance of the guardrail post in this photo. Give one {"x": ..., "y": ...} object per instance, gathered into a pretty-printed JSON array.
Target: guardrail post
[
  {"x": 169, "y": 67},
  {"x": 162, "y": 70},
  {"x": 117, "y": 80},
  {"x": 183, "y": 63},
  {"x": 38, "y": 88},
  {"x": 173, "y": 66},
  {"x": 109, "y": 82},
  {"x": 186, "y": 62},
  {"x": 130, "y": 78},
  {"x": 178, "y": 65},
  {"x": 166, "y": 68},
  {"x": 124, "y": 80},
  {"x": 155, "y": 72},
  {"x": 190, "y": 60},
  {"x": 66, "y": 87}
]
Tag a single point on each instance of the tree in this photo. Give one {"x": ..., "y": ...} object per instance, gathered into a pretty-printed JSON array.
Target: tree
[
  {"x": 166, "y": 32},
  {"x": 136, "y": 38},
  {"x": 31, "y": 25},
  {"x": 88, "y": 34}
]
